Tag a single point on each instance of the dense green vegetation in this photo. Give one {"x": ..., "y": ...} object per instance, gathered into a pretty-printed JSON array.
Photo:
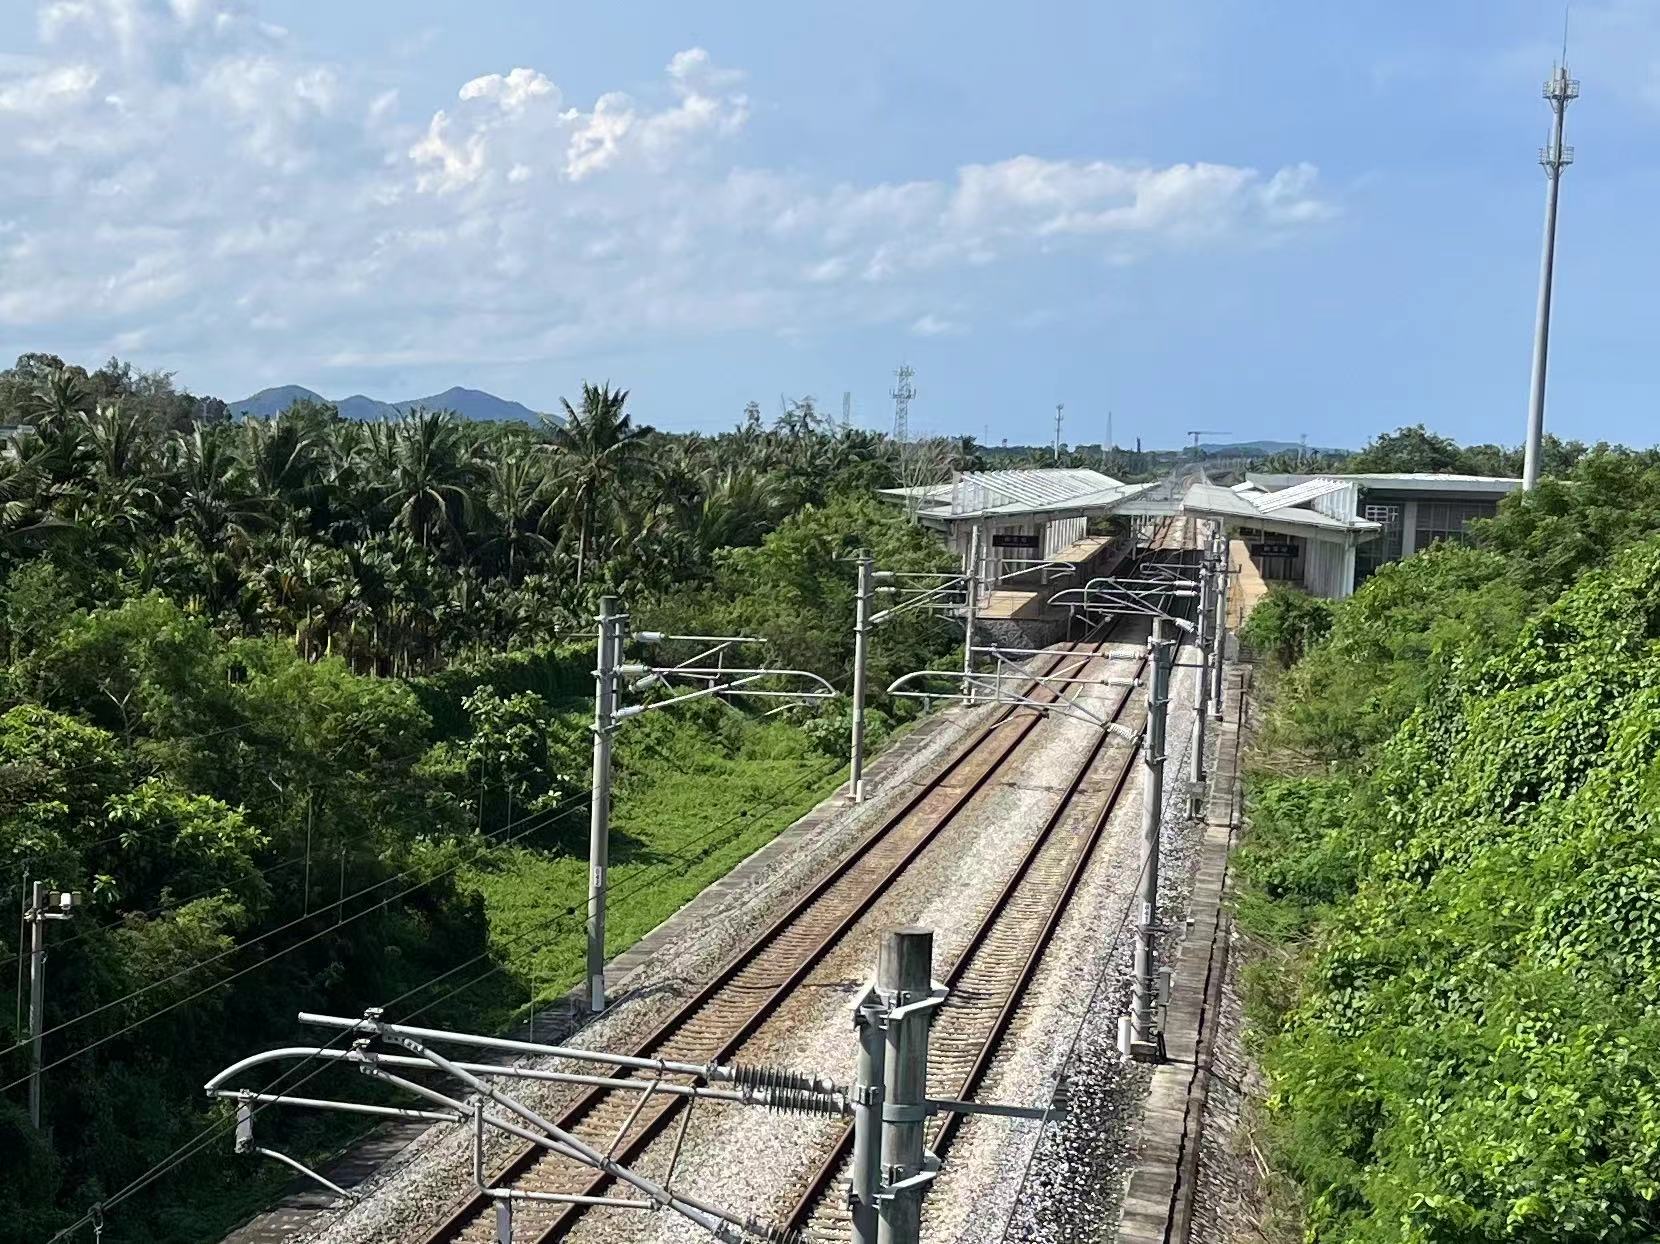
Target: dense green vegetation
[
  {"x": 1452, "y": 872},
  {"x": 302, "y": 706}
]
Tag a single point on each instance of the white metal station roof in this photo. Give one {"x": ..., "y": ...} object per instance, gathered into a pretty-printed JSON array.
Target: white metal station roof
[
  {"x": 1399, "y": 481},
  {"x": 1297, "y": 494},
  {"x": 1021, "y": 493},
  {"x": 1255, "y": 510},
  {"x": 974, "y": 492}
]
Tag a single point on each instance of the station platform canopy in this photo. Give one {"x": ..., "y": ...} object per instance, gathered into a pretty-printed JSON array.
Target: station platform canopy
[
  {"x": 1318, "y": 508},
  {"x": 1035, "y": 494},
  {"x": 1423, "y": 483}
]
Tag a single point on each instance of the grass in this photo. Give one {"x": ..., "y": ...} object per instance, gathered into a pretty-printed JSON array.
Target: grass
[{"x": 696, "y": 797}]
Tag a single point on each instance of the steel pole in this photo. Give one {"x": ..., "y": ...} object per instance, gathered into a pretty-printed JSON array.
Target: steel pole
[
  {"x": 37, "y": 995},
  {"x": 1555, "y": 158},
  {"x": 1140, "y": 1031},
  {"x": 973, "y": 603},
  {"x": 1201, "y": 687},
  {"x": 905, "y": 976},
  {"x": 599, "y": 821},
  {"x": 861, "y": 654},
  {"x": 1541, "y": 333},
  {"x": 1220, "y": 655},
  {"x": 866, "y": 1176}
]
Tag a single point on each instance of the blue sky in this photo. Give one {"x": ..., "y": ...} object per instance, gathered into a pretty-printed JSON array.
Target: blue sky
[{"x": 1265, "y": 220}]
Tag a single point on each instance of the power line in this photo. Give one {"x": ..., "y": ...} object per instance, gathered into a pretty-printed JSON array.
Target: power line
[
  {"x": 542, "y": 818},
  {"x": 180, "y": 902},
  {"x": 202, "y": 1138}
]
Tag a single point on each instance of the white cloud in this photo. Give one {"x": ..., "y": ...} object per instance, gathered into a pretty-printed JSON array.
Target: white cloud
[
  {"x": 931, "y": 325},
  {"x": 49, "y": 90},
  {"x": 512, "y": 92},
  {"x": 184, "y": 175}
]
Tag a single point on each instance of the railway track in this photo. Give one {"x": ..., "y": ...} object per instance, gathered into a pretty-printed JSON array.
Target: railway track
[
  {"x": 721, "y": 1016},
  {"x": 991, "y": 974}
]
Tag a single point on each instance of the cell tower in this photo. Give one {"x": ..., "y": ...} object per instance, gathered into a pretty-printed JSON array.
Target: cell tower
[
  {"x": 1559, "y": 89},
  {"x": 912, "y": 467},
  {"x": 847, "y": 410},
  {"x": 902, "y": 394}
]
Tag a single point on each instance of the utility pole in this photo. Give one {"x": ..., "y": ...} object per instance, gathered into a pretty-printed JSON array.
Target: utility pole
[
  {"x": 1224, "y": 573},
  {"x": 972, "y": 590},
  {"x": 1108, "y": 446},
  {"x": 1201, "y": 687},
  {"x": 861, "y": 654},
  {"x": 1559, "y": 89},
  {"x": 905, "y": 978},
  {"x": 43, "y": 906},
  {"x": 869, "y": 1093},
  {"x": 609, "y": 714},
  {"x": 599, "y": 816},
  {"x": 1138, "y": 1034},
  {"x": 1059, "y": 406}
]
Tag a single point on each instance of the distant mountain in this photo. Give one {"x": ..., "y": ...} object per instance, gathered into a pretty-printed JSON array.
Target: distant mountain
[
  {"x": 363, "y": 408},
  {"x": 469, "y": 403},
  {"x": 268, "y": 402},
  {"x": 473, "y": 403}
]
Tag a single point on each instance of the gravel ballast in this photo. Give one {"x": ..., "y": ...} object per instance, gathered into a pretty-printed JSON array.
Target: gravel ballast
[
  {"x": 756, "y": 1162},
  {"x": 436, "y": 1168},
  {"x": 1063, "y": 1181},
  {"x": 753, "y": 1161}
]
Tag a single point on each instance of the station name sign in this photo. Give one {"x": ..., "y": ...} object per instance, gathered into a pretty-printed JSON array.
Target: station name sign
[
  {"x": 1265, "y": 549},
  {"x": 1012, "y": 540}
]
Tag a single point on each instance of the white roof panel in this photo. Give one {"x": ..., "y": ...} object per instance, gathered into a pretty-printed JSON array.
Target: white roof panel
[
  {"x": 1215, "y": 501},
  {"x": 1298, "y": 494}
]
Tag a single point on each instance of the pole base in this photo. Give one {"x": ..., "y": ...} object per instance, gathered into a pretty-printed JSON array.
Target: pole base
[{"x": 1147, "y": 1051}]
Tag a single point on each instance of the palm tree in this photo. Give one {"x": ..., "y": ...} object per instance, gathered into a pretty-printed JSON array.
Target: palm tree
[
  {"x": 515, "y": 486},
  {"x": 285, "y": 456},
  {"x": 434, "y": 476},
  {"x": 213, "y": 503},
  {"x": 738, "y": 507},
  {"x": 597, "y": 449},
  {"x": 964, "y": 454},
  {"x": 61, "y": 394}
]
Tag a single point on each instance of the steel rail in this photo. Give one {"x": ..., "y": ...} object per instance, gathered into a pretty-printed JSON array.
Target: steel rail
[
  {"x": 1003, "y": 745},
  {"x": 827, "y": 1173}
]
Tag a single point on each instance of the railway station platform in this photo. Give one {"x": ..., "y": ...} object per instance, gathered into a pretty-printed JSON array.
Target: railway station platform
[
  {"x": 1019, "y": 613},
  {"x": 1159, "y": 1197}
]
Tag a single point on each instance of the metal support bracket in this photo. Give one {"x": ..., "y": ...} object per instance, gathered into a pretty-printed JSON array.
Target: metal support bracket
[
  {"x": 936, "y": 997},
  {"x": 951, "y": 1105},
  {"x": 929, "y": 1172}
]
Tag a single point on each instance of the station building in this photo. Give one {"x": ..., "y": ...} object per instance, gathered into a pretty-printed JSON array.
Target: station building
[
  {"x": 1329, "y": 533},
  {"x": 1324, "y": 533},
  {"x": 1033, "y": 528}
]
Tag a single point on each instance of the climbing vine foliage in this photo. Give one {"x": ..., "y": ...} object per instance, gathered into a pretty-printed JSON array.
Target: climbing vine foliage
[{"x": 1466, "y": 1046}]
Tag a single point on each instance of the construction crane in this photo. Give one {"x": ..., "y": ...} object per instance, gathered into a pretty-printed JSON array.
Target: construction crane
[{"x": 1196, "y": 434}]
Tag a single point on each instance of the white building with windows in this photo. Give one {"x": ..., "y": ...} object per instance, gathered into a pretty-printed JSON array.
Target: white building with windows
[
  {"x": 1329, "y": 533},
  {"x": 1020, "y": 517}
]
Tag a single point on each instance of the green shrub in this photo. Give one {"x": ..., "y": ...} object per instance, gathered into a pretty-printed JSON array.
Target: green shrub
[
  {"x": 1285, "y": 624},
  {"x": 1470, "y": 1047}
]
